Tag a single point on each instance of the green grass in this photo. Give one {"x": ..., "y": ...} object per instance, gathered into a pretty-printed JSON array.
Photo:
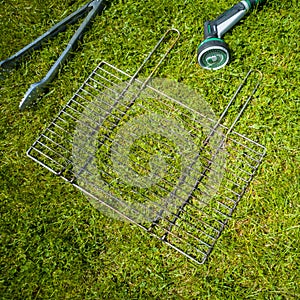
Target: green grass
[{"x": 55, "y": 245}]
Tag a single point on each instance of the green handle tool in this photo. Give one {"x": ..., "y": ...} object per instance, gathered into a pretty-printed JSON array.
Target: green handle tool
[{"x": 213, "y": 52}]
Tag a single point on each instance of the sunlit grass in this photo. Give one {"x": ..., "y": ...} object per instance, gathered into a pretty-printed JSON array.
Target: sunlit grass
[{"x": 55, "y": 245}]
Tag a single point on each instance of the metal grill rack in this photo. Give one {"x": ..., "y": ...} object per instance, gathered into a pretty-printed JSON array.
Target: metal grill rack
[{"x": 150, "y": 158}]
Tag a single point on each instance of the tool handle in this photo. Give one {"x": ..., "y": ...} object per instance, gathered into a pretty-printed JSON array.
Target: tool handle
[
  {"x": 218, "y": 27},
  {"x": 222, "y": 24},
  {"x": 256, "y": 81},
  {"x": 171, "y": 36}
]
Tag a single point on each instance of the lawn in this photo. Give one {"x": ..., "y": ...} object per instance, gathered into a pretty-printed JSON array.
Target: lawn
[{"x": 56, "y": 245}]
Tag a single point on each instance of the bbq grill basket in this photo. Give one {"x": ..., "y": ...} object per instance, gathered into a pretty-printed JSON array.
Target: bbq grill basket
[{"x": 152, "y": 158}]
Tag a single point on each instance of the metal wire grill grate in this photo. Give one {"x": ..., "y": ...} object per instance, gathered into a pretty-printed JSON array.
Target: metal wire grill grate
[{"x": 150, "y": 158}]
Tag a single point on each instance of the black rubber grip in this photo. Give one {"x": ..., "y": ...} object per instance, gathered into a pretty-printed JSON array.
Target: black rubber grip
[{"x": 210, "y": 27}]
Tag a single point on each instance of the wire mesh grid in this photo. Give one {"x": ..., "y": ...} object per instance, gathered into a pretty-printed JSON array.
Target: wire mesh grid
[{"x": 149, "y": 158}]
